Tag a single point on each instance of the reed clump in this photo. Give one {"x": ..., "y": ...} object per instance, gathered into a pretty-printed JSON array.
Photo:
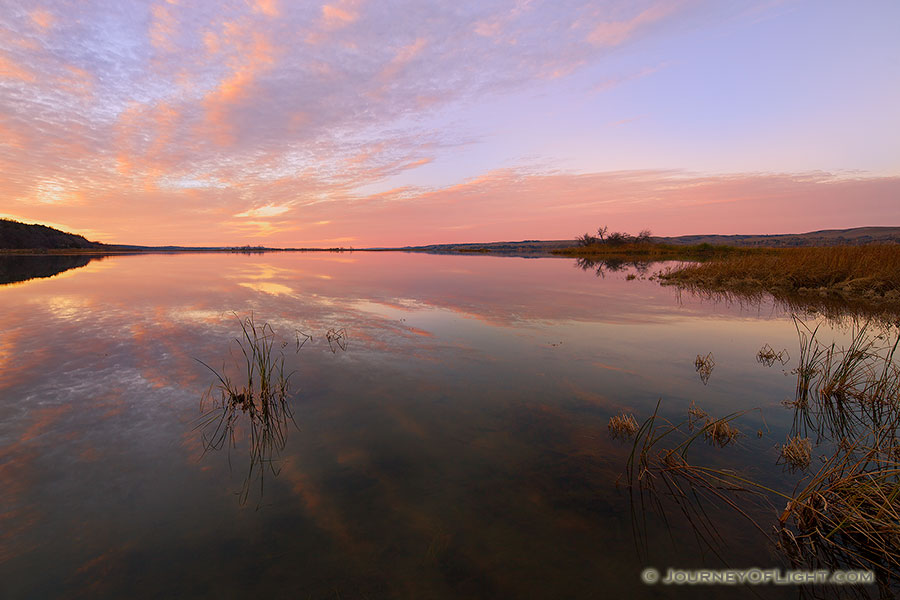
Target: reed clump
[
  {"x": 797, "y": 453},
  {"x": 720, "y": 432},
  {"x": 848, "y": 513},
  {"x": 623, "y": 426},
  {"x": 260, "y": 396},
  {"x": 845, "y": 392}
]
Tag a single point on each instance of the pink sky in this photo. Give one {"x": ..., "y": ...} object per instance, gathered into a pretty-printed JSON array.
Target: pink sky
[{"x": 362, "y": 124}]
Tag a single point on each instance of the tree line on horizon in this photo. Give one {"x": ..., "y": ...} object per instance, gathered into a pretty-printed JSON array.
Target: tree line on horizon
[{"x": 616, "y": 238}]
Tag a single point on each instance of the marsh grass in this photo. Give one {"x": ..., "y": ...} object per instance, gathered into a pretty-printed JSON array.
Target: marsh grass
[
  {"x": 848, "y": 513},
  {"x": 845, "y": 392},
  {"x": 655, "y": 251},
  {"x": 865, "y": 275},
  {"x": 844, "y": 515},
  {"x": 720, "y": 432},
  {"x": 623, "y": 426},
  {"x": 796, "y": 453},
  {"x": 662, "y": 479},
  {"x": 695, "y": 415},
  {"x": 260, "y": 398}
]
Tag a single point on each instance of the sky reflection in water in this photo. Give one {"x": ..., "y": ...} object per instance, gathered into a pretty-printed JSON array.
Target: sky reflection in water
[{"x": 457, "y": 448}]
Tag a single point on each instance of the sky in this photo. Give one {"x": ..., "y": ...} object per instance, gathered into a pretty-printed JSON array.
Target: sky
[{"x": 358, "y": 123}]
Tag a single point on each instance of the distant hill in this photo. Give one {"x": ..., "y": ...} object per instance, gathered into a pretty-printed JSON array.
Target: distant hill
[
  {"x": 21, "y": 236},
  {"x": 826, "y": 237},
  {"x": 525, "y": 248}
]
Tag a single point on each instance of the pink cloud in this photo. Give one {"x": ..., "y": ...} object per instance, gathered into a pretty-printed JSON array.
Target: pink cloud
[
  {"x": 340, "y": 14},
  {"x": 11, "y": 70},
  {"x": 617, "y": 32},
  {"x": 267, "y": 7},
  {"x": 162, "y": 28},
  {"x": 43, "y": 18}
]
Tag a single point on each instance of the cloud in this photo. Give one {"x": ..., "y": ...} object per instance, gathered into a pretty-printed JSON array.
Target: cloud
[
  {"x": 264, "y": 211},
  {"x": 11, "y": 70},
  {"x": 617, "y": 32},
  {"x": 267, "y": 7},
  {"x": 205, "y": 123},
  {"x": 42, "y": 18},
  {"x": 613, "y": 82},
  {"x": 162, "y": 27},
  {"x": 340, "y": 14}
]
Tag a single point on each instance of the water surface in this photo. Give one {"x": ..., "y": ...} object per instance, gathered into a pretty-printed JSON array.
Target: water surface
[{"x": 457, "y": 446}]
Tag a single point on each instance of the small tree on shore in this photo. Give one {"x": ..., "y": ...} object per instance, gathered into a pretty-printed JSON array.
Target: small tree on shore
[
  {"x": 617, "y": 238},
  {"x": 586, "y": 240}
]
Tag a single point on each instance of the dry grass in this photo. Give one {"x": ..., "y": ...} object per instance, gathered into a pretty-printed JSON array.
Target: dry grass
[
  {"x": 696, "y": 414},
  {"x": 845, "y": 392},
  {"x": 845, "y": 515},
  {"x": 869, "y": 274},
  {"x": 720, "y": 432},
  {"x": 623, "y": 426},
  {"x": 656, "y": 251},
  {"x": 848, "y": 512},
  {"x": 797, "y": 453}
]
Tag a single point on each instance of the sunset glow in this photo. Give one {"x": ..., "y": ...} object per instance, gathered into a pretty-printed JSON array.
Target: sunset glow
[{"x": 360, "y": 123}]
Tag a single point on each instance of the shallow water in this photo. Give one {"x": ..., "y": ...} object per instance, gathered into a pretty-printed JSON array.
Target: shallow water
[{"x": 457, "y": 447}]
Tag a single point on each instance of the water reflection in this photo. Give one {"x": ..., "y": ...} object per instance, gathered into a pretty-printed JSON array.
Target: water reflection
[
  {"x": 457, "y": 448},
  {"x": 15, "y": 267},
  {"x": 601, "y": 266},
  {"x": 258, "y": 401}
]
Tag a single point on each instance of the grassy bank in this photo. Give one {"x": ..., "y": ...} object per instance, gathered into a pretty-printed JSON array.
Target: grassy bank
[
  {"x": 657, "y": 251},
  {"x": 867, "y": 274}
]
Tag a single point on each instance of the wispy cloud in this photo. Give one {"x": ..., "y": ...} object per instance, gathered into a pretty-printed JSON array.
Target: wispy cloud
[
  {"x": 264, "y": 211},
  {"x": 614, "y": 32}
]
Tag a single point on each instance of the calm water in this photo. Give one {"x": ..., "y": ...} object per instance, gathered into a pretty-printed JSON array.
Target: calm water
[{"x": 457, "y": 446}]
